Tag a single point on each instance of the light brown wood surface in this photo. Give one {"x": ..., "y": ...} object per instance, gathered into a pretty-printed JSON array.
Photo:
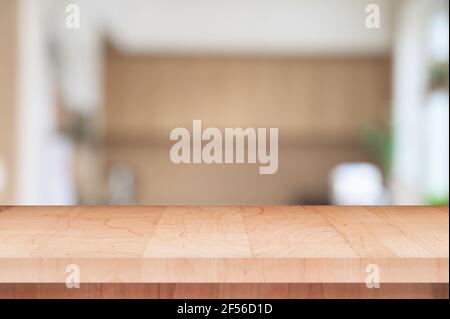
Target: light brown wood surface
[
  {"x": 224, "y": 291},
  {"x": 224, "y": 248},
  {"x": 323, "y": 99},
  {"x": 320, "y": 104},
  {"x": 8, "y": 98}
]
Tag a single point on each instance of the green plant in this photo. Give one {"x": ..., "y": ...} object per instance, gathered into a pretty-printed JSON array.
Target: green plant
[
  {"x": 436, "y": 200},
  {"x": 378, "y": 139}
]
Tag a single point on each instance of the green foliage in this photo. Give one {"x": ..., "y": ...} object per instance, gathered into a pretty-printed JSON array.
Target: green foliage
[
  {"x": 436, "y": 200},
  {"x": 379, "y": 141}
]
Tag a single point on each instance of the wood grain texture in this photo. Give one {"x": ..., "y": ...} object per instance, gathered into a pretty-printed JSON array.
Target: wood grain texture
[
  {"x": 224, "y": 291},
  {"x": 225, "y": 246}
]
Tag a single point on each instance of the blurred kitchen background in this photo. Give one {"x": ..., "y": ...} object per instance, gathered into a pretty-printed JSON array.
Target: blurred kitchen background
[{"x": 85, "y": 113}]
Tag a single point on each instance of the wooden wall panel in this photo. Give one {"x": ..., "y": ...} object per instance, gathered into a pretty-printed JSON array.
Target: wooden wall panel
[
  {"x": 148, "y": 96},
  {"x": 319, "y": 105},
  {"x": 8, "y": 10}
]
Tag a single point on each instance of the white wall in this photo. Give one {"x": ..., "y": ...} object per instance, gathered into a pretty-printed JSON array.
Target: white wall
[
  {"x": 43, "y": 168},
  {"x": 266, "y": 26},
  {"x": 413, "y": 160}
]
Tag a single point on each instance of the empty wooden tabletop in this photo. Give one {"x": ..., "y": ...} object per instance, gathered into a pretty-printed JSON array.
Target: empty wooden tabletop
[{"x": 231, "y": 244}]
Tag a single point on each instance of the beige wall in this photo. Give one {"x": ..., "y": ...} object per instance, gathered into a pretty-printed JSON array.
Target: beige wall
[
  {"x": 318, "y": 104},
  {"x": 7, "y": 93}
]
